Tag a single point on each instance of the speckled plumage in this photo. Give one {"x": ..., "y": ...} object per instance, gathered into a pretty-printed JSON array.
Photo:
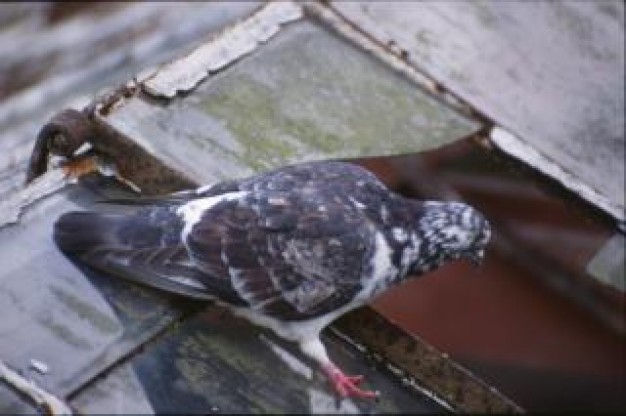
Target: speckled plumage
[{"x": 290, "y": 249}]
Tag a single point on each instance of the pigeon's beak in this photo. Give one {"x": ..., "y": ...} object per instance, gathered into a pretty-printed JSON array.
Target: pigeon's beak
[{"x": 477, "y": 257}]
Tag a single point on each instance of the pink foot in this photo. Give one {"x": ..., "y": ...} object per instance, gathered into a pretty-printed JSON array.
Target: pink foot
[{"x": 347, "y": 385}]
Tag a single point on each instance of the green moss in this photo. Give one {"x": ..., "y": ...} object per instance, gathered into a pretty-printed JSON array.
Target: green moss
[
  {"x": 268, "y": 136},
  {"x": 314, "y": 95},
  {"x": 306, "y": 94}
]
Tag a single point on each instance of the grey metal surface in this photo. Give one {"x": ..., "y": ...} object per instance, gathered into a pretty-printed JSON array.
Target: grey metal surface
[
  {"x": 304, "y": 95},
  {"x": 14, "y": 404},
  {"x": 119, "y": 392},
  {"x": 76, "y": 322},
  {"x": 550, "y": 72},
  {"x": 216, "y": 363}
]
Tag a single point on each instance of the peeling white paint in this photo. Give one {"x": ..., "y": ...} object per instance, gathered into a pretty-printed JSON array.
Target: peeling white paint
[
  {"x": 516, "y": 147},
  {"x": 53, "y": 405},
  {"x": 39, "y": 366},
  {"x": 236, "y": 41},
  {"x": 47, "y": 184}
]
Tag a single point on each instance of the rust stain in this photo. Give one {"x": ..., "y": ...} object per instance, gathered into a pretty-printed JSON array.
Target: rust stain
[
  {"x": 78, "y": 167},
  {"x": 449, "y": 382},
  {"x": 63, "y": 135},
  {"x": 69, "y": 130}
]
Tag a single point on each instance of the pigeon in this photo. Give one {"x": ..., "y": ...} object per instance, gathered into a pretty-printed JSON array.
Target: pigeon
[{"x": 290, "y": 249}]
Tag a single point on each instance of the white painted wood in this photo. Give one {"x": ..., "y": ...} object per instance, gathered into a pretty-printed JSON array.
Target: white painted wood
[{"x": 551, "y": 72}]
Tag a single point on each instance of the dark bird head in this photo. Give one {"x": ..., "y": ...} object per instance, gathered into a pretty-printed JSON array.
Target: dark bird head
[{"x": 455, "y": 230}]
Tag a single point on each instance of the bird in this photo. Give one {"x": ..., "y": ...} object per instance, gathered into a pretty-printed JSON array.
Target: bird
[{"x": 290, "y": 249}]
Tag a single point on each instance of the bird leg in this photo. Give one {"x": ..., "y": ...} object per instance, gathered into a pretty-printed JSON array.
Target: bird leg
[
  {"x": 344, "y": 385},
  {"x": 347, "y": 385}
]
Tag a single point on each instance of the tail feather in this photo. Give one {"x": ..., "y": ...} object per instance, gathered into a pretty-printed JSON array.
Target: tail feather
[
  {"x": 79, "y": 232},
  {"x": 139, "y": 248}
]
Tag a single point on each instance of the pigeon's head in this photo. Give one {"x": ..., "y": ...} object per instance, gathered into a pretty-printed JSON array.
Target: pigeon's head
[{"x": 457, "y": 230}]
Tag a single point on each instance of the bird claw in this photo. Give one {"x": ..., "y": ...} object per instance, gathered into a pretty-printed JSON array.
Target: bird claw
[{"x": 347, "y": 386}]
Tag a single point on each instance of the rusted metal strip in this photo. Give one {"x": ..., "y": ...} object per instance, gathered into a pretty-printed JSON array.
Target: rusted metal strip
[
  {"x": 63, "y": 135},
  {"x": 69, "y": 131},
  {"x": 450, "y": 383}
]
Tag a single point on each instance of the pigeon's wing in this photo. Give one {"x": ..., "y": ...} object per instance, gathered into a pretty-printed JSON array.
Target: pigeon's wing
[
  {"x": 145, "y": 247},
  {"x": 294, "y": 247},
  {"x": 292, "y": 256}
]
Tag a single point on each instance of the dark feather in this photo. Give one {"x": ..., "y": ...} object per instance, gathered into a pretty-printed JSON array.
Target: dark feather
[
  {"x": 144, "y": 248},
  {"x": 294, "y": 244}
]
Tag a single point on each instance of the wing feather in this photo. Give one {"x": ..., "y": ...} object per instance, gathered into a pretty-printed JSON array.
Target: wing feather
[
  {"x": 283, "y": 254},
  {"x": 294, "y": 248}
]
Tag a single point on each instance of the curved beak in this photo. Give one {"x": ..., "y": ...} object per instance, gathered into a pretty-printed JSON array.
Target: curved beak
[{"x": 477, "y": 257}]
